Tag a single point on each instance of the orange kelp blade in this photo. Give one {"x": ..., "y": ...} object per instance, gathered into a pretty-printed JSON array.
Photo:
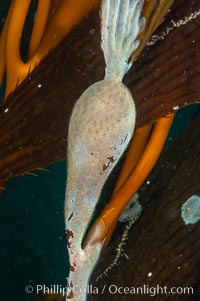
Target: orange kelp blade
[
  {"x": 66, "y": 16},
  {"x": 16, "y": 70},
  {"x": 43, "y": 8},
  {"x": 52, "y": 23},
  {"x": 10, "y": 57},
  {"x": 3, "y": 37},
  {"x": 135, "y": 150},
  {"x": 120, "y": 199}
]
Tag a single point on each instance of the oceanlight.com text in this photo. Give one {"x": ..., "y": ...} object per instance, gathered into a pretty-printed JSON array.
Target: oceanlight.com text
[{"x": 111, "y": 289}]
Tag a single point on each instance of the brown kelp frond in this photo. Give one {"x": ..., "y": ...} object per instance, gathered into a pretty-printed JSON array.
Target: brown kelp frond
[
  {"x": 153, "y": 13},
  {"x": 162, "y": 79}
]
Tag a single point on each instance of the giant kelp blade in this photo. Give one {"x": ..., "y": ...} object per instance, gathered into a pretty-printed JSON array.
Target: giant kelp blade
[
  {"x": 166, "y": 76},
  {"x": 34, "y": 119}
]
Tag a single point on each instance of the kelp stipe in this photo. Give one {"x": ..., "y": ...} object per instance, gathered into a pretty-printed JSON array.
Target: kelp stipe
[{"x": 101, "y": 126}]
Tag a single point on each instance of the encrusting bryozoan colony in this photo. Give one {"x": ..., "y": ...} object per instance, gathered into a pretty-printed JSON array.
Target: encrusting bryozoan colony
[{"x": 100, "y": 128}]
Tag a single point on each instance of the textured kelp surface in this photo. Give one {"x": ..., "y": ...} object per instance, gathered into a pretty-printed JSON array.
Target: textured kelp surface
[{"x": 34, "y": 119}]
